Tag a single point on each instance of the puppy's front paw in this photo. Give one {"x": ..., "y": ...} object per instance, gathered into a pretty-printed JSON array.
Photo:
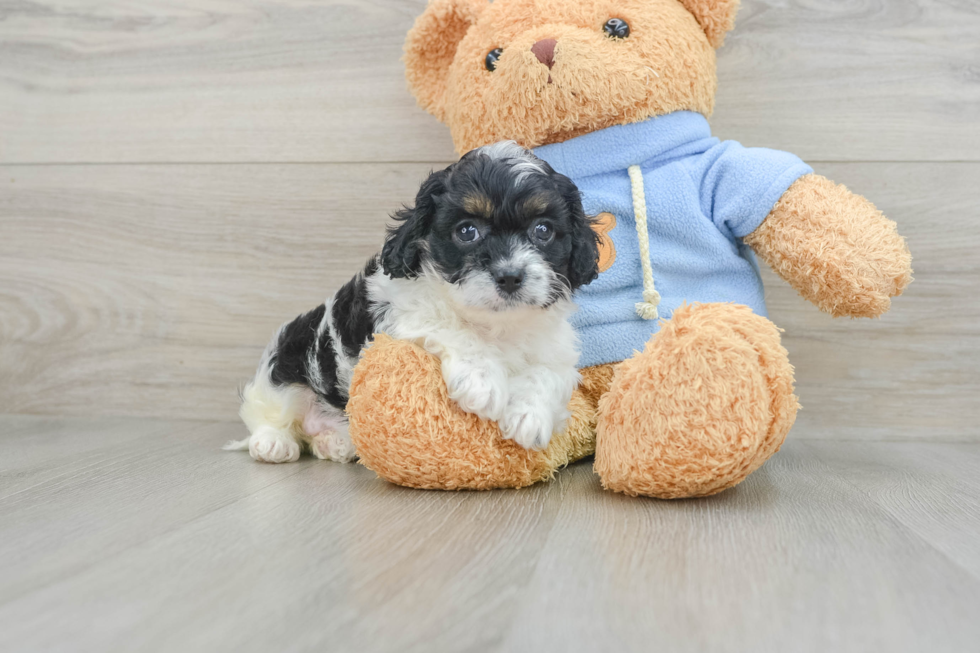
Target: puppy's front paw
[
  {"x": 527, "y": 424},
  {"x": 479, "y": 387}
]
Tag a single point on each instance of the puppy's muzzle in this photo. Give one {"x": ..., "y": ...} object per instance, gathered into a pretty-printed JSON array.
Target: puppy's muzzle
[{"x": 509, "y": 281}]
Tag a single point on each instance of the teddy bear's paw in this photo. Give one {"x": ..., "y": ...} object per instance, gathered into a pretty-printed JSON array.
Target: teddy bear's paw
[
  {"x": 268, "y": 445},
  {"x": 478, "y": 387},
  {"x": 528, "y": 424}
]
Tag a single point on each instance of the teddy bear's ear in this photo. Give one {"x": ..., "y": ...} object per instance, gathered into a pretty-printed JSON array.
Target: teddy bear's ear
[
  {"x": 431, "y": 47},
  {"x": 717, "y": 17}
]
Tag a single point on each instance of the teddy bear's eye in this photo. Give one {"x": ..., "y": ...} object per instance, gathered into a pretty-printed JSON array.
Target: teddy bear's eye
[
  {"x": 616, "y": 28},
  {"x": 492, "y": 57}
]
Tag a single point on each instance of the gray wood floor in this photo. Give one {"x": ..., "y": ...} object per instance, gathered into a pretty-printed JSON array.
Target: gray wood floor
[{"x": 134, "y": 534}]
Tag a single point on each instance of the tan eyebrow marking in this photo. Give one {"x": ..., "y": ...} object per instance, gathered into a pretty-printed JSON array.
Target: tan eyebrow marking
[
  {"x": 536, "y": 204},
  {"x": 478, "y": 204}
]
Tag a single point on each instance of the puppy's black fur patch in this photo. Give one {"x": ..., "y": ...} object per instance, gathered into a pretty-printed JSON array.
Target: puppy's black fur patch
[
  {"x": 505, "y": 194},
  {"x": 351, "y": 312},
  {"x": 290, "y": 362}
]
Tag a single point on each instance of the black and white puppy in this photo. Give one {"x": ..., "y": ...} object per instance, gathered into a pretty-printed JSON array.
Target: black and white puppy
[{"x": 480, "y": 273}]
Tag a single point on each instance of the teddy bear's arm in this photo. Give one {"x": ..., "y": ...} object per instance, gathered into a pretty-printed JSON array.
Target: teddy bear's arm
[{"x": 835, "y": 248}]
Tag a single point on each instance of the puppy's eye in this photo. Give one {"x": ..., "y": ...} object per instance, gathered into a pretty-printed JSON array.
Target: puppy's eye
[
  {"x": 616, "y": 28},
  {"x": 491, "y": 61},
  {"x": 543, "y": 233},
  {"x": 466, "y": 233}
]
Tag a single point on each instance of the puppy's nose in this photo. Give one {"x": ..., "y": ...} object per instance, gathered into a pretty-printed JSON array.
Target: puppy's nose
[
  {"x": 509, "y": 281},
  {"x": 544, "y": 50}
]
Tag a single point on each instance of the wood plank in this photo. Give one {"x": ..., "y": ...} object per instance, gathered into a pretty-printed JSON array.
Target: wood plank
[
  {"x": 794, "y": 559},
  {"x": 933, "y": 489},
  {"x": 213, "y": 80},
  {"x": 151, "y": 290},
  {"x": 66, "y": 513},
  {"x": 853, "y": 81},
  {"x": 171, "y": 544},
  {"x": 210, "y": 80},
  {"x": 186, "y": 545},
  {"x": 30, "y": 458}
]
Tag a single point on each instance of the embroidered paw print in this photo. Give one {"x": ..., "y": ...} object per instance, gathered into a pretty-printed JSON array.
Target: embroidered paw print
[{"x": 604, "y": 223}]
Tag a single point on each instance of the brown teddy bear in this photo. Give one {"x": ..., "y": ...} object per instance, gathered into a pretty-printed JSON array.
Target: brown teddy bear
[{"x": 686, "y": 388}]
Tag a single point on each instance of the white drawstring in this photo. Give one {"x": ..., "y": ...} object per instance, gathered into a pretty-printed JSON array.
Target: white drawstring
[{"x": 647, "y": 309}]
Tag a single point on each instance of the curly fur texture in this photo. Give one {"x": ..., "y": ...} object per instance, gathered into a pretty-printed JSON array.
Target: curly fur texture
[
  {"x": 707, "y": 402},
  {"x": 835, "y": 248},
  {"x": 596, "y": 381},
  {"x": 407, "y": 429},
  {"x": 431, "y": 48},
  {"x": 716, "y": 17},
  {"x": 667, "y": 64}
]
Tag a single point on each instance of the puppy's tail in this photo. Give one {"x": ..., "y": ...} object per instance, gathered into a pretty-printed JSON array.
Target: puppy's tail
[{"x": 236, "y": 445}]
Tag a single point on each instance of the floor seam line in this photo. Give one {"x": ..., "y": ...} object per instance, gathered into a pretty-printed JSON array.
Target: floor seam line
[
  {"x": 142, "y": 542},
  {"x": 896, "y": 520}
]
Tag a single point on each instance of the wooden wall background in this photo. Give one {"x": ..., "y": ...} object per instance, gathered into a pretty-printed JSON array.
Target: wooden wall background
[{"x": 179, "y": 176}]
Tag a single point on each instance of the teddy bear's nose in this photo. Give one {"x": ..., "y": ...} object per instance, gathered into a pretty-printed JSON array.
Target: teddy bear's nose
[{"x": 544, "y": 50}]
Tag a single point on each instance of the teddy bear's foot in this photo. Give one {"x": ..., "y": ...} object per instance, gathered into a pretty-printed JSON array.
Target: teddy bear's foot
[
  {"x": 708, "y": 401},
  {"x": 407, "y": 429}
]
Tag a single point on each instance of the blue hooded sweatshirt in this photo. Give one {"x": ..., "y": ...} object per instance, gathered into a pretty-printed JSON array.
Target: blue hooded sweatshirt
[{"x": 702, "y": 196}]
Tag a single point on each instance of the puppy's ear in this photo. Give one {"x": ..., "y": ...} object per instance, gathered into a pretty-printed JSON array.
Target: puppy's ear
[
  {"x": 583, "y": 264},
  {"x": 401, "y": 255},
  {"x": 431, "y": 47},
  {"x": 716, "y": 17}
]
